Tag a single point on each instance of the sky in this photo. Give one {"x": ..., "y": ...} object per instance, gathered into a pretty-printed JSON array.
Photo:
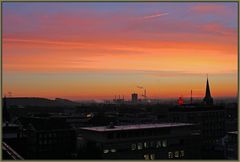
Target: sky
[{"x": 96, "y": 50}]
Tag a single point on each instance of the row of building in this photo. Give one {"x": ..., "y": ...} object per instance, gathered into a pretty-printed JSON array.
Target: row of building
[{"x": 185, "y": 131}]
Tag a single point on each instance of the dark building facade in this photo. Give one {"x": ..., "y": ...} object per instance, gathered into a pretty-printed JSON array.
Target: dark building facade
[
  {"x": 5, "y": 114},
  {"x": 48, "y": 138},
  {"x": 143, "y": 141},
  {"x": 211, "y": 122},
  {"x": 231, "y": 149}
]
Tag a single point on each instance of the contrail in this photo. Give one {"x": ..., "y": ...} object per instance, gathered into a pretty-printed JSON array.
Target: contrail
[{"x": 154, "y": 16}]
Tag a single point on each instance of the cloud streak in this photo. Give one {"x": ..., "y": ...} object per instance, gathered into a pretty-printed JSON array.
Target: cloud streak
[{"x": 155, "y": 15}]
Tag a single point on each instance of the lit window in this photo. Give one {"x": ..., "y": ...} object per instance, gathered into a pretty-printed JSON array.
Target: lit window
[
  {"x": 170, "y": 155},
  {"x": 133, "y": 146},
  {"x": 159, "y": 144},
  {"x": 113, "y": 150},
  {"x": 146, "y": 144},
  {"x": 152, "y": 156},
  {"x": 164, "y": 143},
  {"x": 181, "y": 153},
  {"x": 140, "y": 146},
  {"x": 146, "y": 157},
  {"x": 105, "y": 151},
  {"x": 176, "y": 155}
]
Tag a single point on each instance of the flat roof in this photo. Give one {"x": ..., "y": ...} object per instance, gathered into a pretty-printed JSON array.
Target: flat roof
[{"x": 135, "y": 127}]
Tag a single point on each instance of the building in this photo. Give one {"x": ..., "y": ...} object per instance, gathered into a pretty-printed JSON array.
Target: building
[
  {"x": 119, "y": 100},
  {"x": 134, "y": 98},
  {"x": 5, "y": 113},
  {"x": 208, "y": 100},
  {"x": 48, "y": 138},
  {"x": 210, "y": 120},
  {"x": 12, "y": 138},
  {"x": 143, "y": 141},
  {"x": 231, "y": 149}
]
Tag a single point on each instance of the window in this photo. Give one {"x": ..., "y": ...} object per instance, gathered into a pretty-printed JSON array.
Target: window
[
  {"x": 159, "y": 144},
  {"x": 105, "y": 151},
  {"x": 164, "y": 143},
  {"x": 176, "y": 155},
  {"x": 113, "y": 150},
  {"x": 146, "y": 145},
  {"x": 149, "y": 156},
  {"x": 140, "y": 146},
  {"x": 146, "y": 157},
  {"x": 152, "y": 156},
  {"x": 133, "y": 146},
  {"x": 170, "y": 155},
  {"x": 182, "y": 153}
]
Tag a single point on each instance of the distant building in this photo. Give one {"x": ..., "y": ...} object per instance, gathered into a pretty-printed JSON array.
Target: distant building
[
  {"x": 208, "y": 98},
  {"x": 134, "y": 98},
  {"x": 119, "y": 100},
  {"x": 143, "y": 141}
]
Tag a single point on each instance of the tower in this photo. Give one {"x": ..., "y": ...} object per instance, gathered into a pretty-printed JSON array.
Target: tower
[
  {"x": 208, "y": 98},
  {"x": 134, "y": 97}
]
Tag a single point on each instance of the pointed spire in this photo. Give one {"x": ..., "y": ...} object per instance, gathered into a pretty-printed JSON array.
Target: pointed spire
[
  {"x": 208, "y": 98},
  {"x": 208, "y": 93}
]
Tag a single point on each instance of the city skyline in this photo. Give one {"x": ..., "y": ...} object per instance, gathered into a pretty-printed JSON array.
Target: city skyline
[{"x": 90, "y": 50}]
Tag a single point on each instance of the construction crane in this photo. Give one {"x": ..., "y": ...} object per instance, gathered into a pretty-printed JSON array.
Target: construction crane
[
  {"x": 144, "y": 92},
  {"x": 9, "y": 94}
]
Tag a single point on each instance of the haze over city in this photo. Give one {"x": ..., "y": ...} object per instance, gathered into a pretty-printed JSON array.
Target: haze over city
[{"x": 94, "y": 51}]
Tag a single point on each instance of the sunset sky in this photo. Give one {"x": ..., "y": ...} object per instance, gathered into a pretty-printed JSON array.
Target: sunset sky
[{"x": 89, "y": 50}]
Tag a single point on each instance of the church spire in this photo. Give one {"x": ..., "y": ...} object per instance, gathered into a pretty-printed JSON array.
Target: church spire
[{"x": 208, "y": 98}]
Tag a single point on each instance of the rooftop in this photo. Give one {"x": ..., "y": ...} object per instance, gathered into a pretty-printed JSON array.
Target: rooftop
[
  {"x": 134, "y": 127},
  {"x": 233, "y": 132}
]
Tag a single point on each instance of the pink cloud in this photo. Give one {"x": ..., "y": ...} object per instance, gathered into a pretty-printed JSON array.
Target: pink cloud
[{"x": 208, "y": 7}]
